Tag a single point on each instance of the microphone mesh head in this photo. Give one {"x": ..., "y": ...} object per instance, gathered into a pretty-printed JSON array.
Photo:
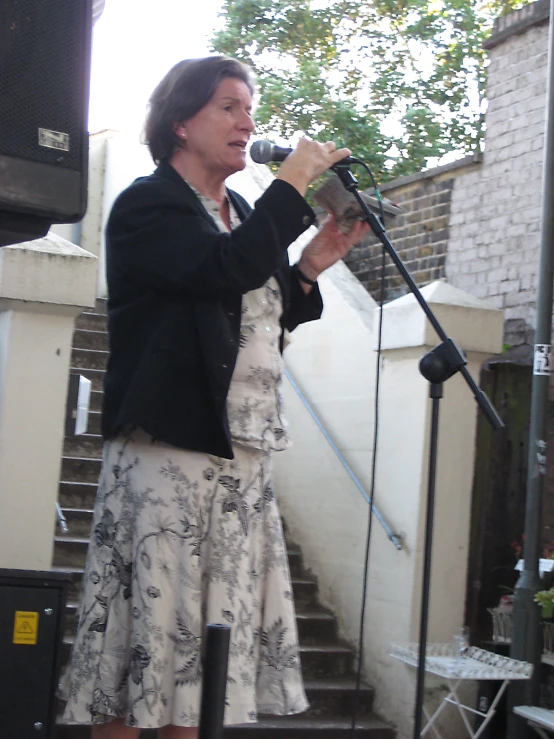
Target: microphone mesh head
[{"x": 261, "y": 152}]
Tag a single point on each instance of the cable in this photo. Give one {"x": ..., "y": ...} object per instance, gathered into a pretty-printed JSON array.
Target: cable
[
  {"x": 373, "y": 474},
  {"x": 377, "y": 195}
]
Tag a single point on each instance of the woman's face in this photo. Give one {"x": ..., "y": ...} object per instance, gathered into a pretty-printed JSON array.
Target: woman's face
[{"x": 216, "y": 137}]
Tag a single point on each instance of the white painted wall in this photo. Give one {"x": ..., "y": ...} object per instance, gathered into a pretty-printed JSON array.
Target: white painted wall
[
  {"x": 115, "y": 160},
  {"x": 44, "y": 284}
]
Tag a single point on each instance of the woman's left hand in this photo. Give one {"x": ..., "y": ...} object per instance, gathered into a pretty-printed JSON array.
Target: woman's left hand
[{"x": 328, "y": 246}]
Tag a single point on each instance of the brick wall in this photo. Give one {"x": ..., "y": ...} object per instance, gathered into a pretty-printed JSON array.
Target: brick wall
[
  {"x": 420, "y": 234},
  {"x": 493, "y": 249}
]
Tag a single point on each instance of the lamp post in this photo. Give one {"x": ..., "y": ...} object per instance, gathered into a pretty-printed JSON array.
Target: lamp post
[{"x": 526, "y": 633}]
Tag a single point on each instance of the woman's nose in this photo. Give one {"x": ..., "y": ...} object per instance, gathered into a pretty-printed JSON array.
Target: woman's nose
[{"x": 247, "y": 123}]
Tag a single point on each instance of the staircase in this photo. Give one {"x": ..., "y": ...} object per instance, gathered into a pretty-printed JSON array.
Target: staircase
[{"x": 328, "y": 665}]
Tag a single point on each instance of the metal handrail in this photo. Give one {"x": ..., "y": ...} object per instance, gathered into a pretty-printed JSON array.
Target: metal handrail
[
  {"x": 62, "y": 521},
  {"x": 395, "y": 538}
]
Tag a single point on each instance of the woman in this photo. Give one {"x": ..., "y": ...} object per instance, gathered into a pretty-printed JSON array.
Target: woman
[{"x": 186, "y": 530}]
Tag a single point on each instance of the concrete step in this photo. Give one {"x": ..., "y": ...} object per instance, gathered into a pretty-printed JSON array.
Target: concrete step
[
  {"x": 101, "y": 306},
  {"x": 79, "y": 522},
  {"x": 70, "y": 551},
  {"x": 295, "y": 561},
  {"x": 81, "y": 469},
  {"x": 91, "y": 321},
  {"x": 95, "y": 359},
  {"x": 96, "y": 397},
  {"x": 75, "y": 575},
  {"x": 303, "y": 726},
  {"x": 316, "y": 626},
  {"x": 337, "y": 697},
  {"x": 83, "y": 445},
  {"x": 307, "y": 727},
  {"x": 326, "y": 661},
  {"x": 94, "y": 425},
  {"x": 77, "y": 495},
  {"x": 304, "y": 592},
  {"x": 84, "y": 338}
]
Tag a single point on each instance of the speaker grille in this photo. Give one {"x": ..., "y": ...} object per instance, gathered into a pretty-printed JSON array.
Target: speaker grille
[{"x": 44, "y": 73}]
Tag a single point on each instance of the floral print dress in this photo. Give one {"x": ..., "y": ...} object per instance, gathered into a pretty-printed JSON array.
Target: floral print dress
[{"x": 181, "y": 539}]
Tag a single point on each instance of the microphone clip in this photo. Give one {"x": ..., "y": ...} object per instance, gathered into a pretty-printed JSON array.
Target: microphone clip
[
  {"x": 343, "y": 171},
  {"x": 342, "y": 164}
]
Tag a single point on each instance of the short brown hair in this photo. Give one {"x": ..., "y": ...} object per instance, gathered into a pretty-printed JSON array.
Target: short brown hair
[{"x": 186, "y": 89}]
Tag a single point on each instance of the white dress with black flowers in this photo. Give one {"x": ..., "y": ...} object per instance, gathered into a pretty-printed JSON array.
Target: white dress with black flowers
[{"x": 181, "y": 539}]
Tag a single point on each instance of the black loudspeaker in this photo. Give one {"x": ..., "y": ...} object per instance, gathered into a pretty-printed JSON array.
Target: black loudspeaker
[
  {"x": 32, "y": 606},
  {"x": 45, "y": 49}
]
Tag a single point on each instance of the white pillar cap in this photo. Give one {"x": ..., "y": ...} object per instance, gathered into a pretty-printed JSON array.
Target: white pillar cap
[
  {"x": 459, "y": 313},
  {"x": 50, "y": 271}
]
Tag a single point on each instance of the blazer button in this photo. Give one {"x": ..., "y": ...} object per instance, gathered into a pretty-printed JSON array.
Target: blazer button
[{"x": 306, "y": 220}]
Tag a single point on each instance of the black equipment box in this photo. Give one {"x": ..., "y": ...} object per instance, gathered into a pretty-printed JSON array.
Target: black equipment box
[{"x": 31, "y": 628}]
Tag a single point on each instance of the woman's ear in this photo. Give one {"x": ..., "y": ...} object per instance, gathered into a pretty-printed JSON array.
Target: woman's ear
[{"x": 180, "y": 131}]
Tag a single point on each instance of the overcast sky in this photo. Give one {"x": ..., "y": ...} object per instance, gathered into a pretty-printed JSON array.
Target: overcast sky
[{"x": 135, "y": 43}]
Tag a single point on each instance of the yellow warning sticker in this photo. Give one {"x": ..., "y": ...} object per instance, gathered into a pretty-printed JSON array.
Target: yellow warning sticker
[{"x": 25, "y": 628}]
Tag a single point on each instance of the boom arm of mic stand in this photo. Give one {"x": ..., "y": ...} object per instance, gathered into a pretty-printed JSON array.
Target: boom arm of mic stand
[{"x": 351, "y": 184}]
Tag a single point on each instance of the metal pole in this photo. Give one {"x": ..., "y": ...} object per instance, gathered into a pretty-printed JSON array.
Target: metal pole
[
  {"x": 436, "y": 393},
  {"x": 527, "y": 636},
  {"x": 214, "y": 681}
]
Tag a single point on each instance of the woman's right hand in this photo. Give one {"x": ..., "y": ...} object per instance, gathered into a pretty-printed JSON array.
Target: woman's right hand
[{"x": 308, "y": 161}]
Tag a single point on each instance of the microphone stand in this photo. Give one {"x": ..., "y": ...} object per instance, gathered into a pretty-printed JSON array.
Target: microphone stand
[
  {"x": 214, "y": 681},
  {"x": 436, "y": 366}
]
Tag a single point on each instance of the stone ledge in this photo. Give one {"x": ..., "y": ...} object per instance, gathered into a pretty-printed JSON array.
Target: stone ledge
[
  {"x": 430, "y": 173},
  {"x": 51, "y": 272},
  {"x": 518, "y": 22},
  {"x": 457, "y": 311}
]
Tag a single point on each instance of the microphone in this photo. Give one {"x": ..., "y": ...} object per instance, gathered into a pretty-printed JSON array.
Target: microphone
[{"x": 263, "y": 152}]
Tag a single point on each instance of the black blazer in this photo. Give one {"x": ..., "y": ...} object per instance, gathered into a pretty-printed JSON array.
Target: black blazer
[{"x": 174, "y": 303}]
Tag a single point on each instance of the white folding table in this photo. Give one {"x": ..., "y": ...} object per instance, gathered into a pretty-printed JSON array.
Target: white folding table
[
  {"x": 477, "y": 664},
  {"x": 538, "y": 718}
]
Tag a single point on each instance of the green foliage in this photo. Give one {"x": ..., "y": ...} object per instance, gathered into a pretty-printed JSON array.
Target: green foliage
[
  {"x": 545, "y": 599},
  {"x": 353, "y": 70}
]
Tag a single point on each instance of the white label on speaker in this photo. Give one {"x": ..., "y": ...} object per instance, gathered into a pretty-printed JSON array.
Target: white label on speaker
[{"x": 53, "y": 139}]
